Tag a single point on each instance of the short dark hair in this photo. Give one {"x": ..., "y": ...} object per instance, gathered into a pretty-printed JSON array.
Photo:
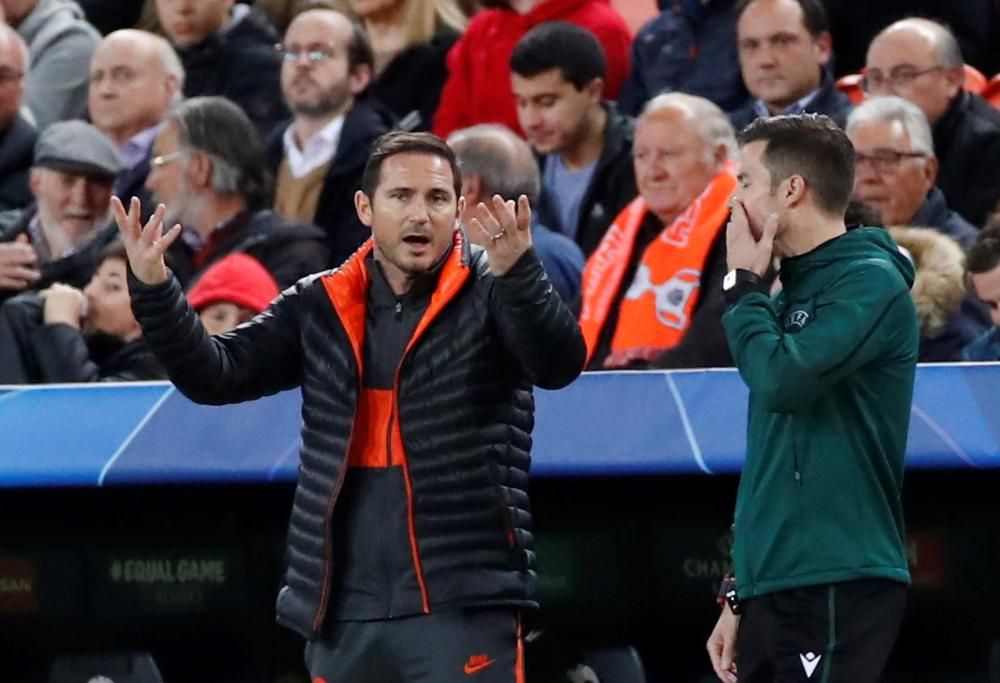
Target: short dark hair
[
  {"x": 219, "y": 128},
  {"x": 814, "y": 16},
  {"x": 560, "y": 45},
  {"x": 809, "y": 145},
  {"x": 399, "y": 142},
  {"x": 984, "y": 255},
  {"x": 115, "y": 249},
  {"x": 359, "y": 48}
]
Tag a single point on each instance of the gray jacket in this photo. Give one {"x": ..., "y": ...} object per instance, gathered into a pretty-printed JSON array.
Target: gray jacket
[{"x": 61, "y": 43}]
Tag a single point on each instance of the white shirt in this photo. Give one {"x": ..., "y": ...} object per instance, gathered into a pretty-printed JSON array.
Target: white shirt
[{"x": 318, "y": 150}]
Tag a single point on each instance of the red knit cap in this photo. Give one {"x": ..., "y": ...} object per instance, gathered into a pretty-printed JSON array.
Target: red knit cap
[{"x": 237, "y": 279}]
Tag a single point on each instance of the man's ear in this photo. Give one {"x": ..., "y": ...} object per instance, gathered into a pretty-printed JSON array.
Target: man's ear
[
  {"x": 595, "y": 89},
  {"x": 792, "y": 191},
  {"x": 931, "y": 170},
  {"x": 955, "y": 79},
  {"x": 472, "y": 189},
  {"x": 363, "y": 205},
  {"x": 200, "y": 170},
  {"x": 823, "y": 46},
  {"x": 35, "y": 180},
  {"x": 359, "y": 79}
]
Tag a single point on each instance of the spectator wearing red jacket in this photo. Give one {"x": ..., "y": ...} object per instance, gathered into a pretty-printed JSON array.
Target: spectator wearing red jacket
[{"x": 478, "y": 86}]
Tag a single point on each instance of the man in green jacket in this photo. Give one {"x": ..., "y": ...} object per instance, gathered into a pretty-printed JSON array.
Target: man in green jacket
[{"x": 820, "y": 565}]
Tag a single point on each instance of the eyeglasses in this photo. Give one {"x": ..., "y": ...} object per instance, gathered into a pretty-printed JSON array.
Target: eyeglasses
[
  {"x": 901, "y": 76},
  {"x": 313, "y": 54},
  {"x": 886, "y": 160},
  {"x": 162, "y": 160}
]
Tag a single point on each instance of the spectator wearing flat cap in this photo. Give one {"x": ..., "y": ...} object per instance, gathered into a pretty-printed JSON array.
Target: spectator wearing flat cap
[{"x": 60, "y": 236}]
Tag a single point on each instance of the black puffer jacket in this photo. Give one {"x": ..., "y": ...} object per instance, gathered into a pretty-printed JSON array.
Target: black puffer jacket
[{"x": 464, "y": 408}]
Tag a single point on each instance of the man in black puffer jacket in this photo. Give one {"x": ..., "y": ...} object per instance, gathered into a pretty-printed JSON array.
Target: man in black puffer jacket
[{"x": 410, "y": 552}]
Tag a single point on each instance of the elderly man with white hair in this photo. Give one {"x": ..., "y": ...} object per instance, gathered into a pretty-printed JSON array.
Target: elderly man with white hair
[
  {"x": 652, "y": 290},
  {"x": 920, "y": 61},
  {"x": 135, "y": 77},
  {"x": 895, "y": 168}
]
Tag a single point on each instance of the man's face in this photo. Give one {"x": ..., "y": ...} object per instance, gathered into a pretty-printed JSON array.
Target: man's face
[
  {"x": 904, "y": 62},
  {"x": 170, "y": 179},
  {"x": 987, "y": 287},
  {"x": 109, "y": 309},
  {"x": 189, "y": 22},
  {"x": 130, "y": 89},
  {"x": 12, "y": 69},
  {"x": 77, "y": 205},
  {"x": 413, "y": 212},
  {"x": 780, "y": 61},
  {"x": 887, "y": 176},
  {"x": 673, "y": 165},
  {"x": 753, "y": 188},
  {"x": 326, "y": 86},
  {"x": 551, "y": 111}
]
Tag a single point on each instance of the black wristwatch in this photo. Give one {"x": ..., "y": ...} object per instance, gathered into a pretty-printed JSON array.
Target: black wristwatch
[
  {"x": 727, "y": 594},
  {"x": 739, "y": 282}
]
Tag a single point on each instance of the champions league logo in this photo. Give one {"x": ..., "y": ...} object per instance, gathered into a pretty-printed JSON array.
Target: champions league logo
[{"x": 670, "y": 298}]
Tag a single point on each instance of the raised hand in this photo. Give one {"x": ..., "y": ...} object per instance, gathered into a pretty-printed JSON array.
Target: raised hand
[
  {"x": 18, "y": 264},
  {"x": 145, "y": 244},
  {"x": 507, "y": 228},
  {"x": 742, "y": 250}
]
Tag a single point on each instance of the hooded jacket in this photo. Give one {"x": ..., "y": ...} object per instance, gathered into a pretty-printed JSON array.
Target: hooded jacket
[
  {"x": 938, "y": 291},
  {"x": 478, "y": 86},
  {"x": 61, "y": 43},
  {"x": 830, "y": 362},
  {"x": 239, "y": 62},
  {"x": 460, "y": 415}
]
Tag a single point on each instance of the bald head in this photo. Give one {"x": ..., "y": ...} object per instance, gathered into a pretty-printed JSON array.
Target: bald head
[
  {"x": 493, "y": 161},
  {"x": 14, "y": 62},
  {"x": 135, "y": 77},
  {"x": 681, "y": 143},
  {"x": 918, "y": 60}
]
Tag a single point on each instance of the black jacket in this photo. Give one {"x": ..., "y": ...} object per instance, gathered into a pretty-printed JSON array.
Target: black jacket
[
  {"x": 32, "y": 352},
  {"x": 335, "y": 212},
  {"x": 935, "y": 213},
  {"x": 967, "y": 144},
  {"x": 828, "y": 101},
  {"x": 410, "y": 86},
  {"x": 17, "y": 151},
  {"x": 463, "y": 404},
  {"x": 611, "y": 188},
  {"x": 287, "y": 249},
  {"x": 75, "y": 269},
  {"x": 240, "y": 63}
]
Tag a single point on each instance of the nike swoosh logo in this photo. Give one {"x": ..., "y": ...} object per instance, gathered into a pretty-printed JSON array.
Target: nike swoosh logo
[{"x": 477, "y": 667}]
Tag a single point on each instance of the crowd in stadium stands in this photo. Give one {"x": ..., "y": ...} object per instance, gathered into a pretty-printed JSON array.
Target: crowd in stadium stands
[{"x": 252, "y": 123}]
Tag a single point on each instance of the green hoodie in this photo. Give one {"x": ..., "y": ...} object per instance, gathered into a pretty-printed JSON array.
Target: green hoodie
[{"x": 830, "y": 362}]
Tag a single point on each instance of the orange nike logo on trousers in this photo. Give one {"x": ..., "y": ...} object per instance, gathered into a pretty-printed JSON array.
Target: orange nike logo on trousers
[{"x": 477, "y": 663}]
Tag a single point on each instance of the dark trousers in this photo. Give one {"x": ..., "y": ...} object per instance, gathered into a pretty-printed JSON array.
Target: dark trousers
[
  {"x": 835, "y": 633},
  {"x": 468, "y": 646}
]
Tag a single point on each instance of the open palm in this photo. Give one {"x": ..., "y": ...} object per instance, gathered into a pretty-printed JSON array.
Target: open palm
[{"x": 144, "y": 244}]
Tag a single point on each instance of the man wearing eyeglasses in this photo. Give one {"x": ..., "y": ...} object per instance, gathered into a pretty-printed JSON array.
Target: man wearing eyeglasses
[
  {"x": 785, "y": 48},
  {"x": 17, "y": 135},
  {"x": 227, "y": 49},
  {"x": 920, "y": 61},
  {"x": 895, "y": 168},
  {"x": 135, "y": 77},
  {"x": 208, "y": 169},
  {"x": 318, "y": 158}
]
